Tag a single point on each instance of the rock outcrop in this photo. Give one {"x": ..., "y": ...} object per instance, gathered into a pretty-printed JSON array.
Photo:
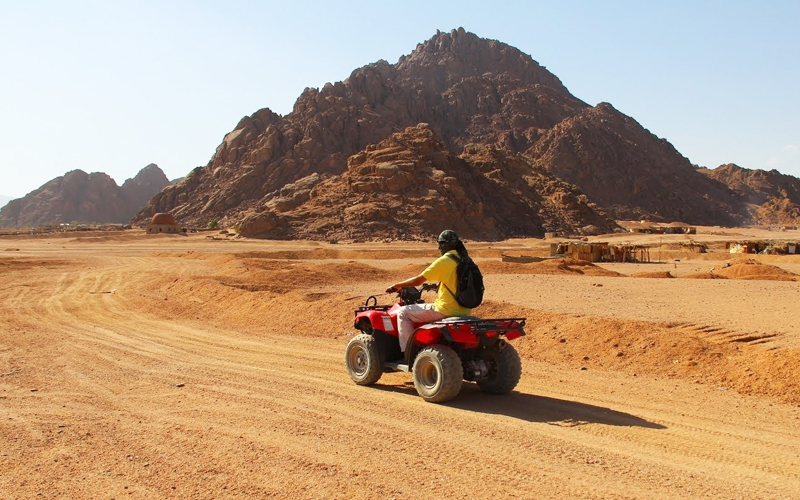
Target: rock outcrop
[
  {"x": 410, "y": 185},
  {"x": 84, "y": 198}
]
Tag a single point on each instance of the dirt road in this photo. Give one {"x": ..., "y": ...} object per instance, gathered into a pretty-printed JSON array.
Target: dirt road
[{"x": 174, "y": 367}]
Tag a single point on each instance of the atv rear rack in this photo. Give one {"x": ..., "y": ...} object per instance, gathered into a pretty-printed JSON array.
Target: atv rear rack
[{"x": 481, "y": 325}]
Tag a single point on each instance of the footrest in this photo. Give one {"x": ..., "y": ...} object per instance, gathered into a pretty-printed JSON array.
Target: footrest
[{"x": 396, "y": 367}]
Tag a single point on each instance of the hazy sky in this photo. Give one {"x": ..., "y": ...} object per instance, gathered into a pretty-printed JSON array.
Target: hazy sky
[{"x": 112, "y": 86}]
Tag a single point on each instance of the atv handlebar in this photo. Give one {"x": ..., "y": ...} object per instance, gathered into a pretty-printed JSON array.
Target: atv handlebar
[
  {"x": 433, "y": 286},
  {"x": 413, "y": 295},
  {"x": 430, "y": 287}
]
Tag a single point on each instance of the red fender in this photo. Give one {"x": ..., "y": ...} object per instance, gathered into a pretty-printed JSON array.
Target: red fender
[{"x": 385, "y": 321}]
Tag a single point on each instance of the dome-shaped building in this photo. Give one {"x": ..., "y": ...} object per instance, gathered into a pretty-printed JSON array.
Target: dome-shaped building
[{"x": 163, "y": 223}]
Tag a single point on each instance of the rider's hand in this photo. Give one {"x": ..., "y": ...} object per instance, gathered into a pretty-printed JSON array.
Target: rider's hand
[{"x": 391, "y": 289}]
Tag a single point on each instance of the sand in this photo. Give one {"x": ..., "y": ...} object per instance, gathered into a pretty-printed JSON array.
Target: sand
[{"x": 135, "y": 366}]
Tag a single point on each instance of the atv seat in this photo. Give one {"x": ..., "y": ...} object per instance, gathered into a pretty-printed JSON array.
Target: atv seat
[{"x": 456, "y": 319}]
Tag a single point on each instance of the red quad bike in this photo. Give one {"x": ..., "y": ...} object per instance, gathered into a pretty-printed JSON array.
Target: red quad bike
[{"x": 440, "y": 354}]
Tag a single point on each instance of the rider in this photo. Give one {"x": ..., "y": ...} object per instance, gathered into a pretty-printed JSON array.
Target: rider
[{"x": 443, "y": 270}]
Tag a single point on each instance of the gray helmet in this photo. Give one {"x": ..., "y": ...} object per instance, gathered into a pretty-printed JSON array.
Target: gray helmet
[{"x": 448, "y": 236}]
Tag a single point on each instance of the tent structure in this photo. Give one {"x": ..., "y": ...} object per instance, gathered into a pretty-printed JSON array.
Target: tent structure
[{"x": 602, "y": 252}]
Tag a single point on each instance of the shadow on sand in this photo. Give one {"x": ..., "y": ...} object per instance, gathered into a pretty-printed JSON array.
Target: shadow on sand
[{"x": 532, "y": 408}]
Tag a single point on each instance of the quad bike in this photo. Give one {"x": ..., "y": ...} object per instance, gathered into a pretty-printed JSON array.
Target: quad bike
[{"x": 439, "y": 354}]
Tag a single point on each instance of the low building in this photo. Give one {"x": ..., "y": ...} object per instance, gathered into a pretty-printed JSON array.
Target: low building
[
  {"x": 773, "y": 247},
  {"x": 602, "y": 252},
  {"x": 163, "y": 223}
]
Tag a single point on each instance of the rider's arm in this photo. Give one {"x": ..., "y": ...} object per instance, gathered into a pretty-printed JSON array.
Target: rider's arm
[{"x": 415, "y": 281}]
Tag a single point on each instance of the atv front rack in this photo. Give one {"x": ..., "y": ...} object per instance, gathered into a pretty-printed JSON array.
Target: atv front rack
[{"x": 372, "y": 307}]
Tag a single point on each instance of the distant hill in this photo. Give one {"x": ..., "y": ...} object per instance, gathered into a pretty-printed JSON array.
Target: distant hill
[
  {"x": 769, "y": 196},
  {"x": 85, "y": 198},
  {"x": 4, "y": 200}
]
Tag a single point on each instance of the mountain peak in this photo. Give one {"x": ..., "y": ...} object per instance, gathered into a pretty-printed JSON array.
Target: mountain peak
[{"x": 459, "y": 54}]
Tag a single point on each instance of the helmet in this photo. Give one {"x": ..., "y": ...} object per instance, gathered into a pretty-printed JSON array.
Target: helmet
[
  {"x": 448, "y": 236},
  {"x": 448, "y": 240}
]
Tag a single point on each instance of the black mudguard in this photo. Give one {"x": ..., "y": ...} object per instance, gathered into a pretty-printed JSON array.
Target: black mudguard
[{"x": 388, "y": 345}]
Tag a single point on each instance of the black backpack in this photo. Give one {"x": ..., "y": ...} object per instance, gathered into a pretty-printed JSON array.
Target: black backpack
[{"x": 469, "y": 290}]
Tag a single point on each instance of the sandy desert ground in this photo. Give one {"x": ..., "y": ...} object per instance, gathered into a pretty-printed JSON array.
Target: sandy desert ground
[{"x": 207, "y": 367}]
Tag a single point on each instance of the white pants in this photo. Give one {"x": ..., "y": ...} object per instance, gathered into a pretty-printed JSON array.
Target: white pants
[{"x": 414, "y": 313}]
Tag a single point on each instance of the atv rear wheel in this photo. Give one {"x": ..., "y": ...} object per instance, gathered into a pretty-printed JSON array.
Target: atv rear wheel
[
  {"x": 505, "y": 369},
  {"x": 363, "y": 361},
  {"x": 437, "y": 373}
]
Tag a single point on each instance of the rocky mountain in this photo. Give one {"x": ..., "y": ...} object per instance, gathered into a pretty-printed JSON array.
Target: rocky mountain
[
  {"x": 4, "y": 200},
  {"x": 768, "y": 196},
  {"x": 87, "y": 198},
  {"x": 469, "y": 91},
  {"x": 410, "y": 185}
]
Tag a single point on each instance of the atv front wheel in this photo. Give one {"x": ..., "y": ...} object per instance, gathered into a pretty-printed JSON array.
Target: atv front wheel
[
  {"x": 437, "y": 373},
  {"x": 363, "y": 361},
  {"x": 505, "y": 369}
]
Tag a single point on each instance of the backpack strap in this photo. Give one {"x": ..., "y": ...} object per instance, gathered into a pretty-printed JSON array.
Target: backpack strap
[{"x": 458, "y": 261}]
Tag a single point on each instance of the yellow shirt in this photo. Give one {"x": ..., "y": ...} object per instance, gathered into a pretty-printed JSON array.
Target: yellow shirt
[{"x": 443, "y": 270}]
